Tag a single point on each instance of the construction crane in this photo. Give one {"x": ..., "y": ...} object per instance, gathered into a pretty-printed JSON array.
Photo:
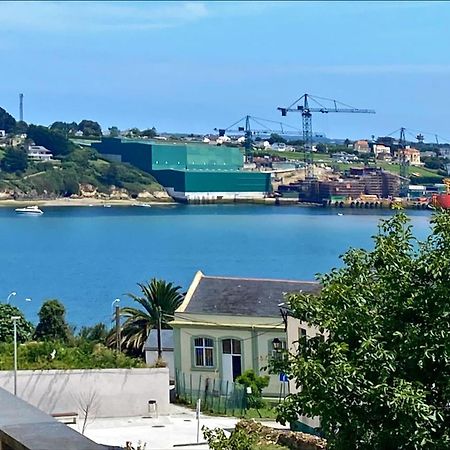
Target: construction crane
[
  {"x": 244, "y": 127},
  {"x": 302, "y": 105}
]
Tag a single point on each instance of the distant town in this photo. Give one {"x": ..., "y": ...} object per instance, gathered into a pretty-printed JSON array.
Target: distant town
[{"x": 239, "y": 163}]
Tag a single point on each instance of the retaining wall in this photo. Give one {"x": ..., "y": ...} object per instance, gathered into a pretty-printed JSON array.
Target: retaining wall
[{"x": 110, "y": 392}]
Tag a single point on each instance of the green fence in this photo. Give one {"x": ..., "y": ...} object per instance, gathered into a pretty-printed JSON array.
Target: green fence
[{"x": 217, "y": 396}]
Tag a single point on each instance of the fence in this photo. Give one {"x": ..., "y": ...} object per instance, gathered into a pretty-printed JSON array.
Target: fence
[{"x": 217, "y": 396}]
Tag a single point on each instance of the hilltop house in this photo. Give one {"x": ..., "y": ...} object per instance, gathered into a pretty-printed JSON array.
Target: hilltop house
[
  {"x": 39, "y": 153},
  {"x": 227, "y": 325}
]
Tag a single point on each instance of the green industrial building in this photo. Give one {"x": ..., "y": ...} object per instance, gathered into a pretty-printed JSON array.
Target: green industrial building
[{"x": 190, "y": 171}]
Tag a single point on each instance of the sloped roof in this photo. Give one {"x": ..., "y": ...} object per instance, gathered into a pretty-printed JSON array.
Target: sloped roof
[
  {"x": 166, "y": 340},
  {"x": 256, "y": 297}
]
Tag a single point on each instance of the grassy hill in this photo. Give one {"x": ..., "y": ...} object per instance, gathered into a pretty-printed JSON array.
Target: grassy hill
[{"x": 82, "y": 169}]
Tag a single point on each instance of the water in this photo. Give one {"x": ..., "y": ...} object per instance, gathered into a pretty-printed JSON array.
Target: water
[{"x": 88, "y": 256}]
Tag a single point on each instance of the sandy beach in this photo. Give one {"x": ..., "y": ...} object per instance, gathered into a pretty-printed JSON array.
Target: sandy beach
[{"x": 79, "y": 202}]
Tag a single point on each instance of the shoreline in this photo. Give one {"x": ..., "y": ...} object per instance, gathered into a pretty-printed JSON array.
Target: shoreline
[{"x": 57, "y": 202}]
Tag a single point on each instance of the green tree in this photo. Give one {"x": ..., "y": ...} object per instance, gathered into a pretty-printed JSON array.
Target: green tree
[
  {"x": 24, "y": 328},
  {"x": 64, "y": 128},
  {"x": 90, "y": 128},
  {"x": 21, "y": 127},
  {"x": 158, "y": 301},
  {"x": 14, "y": 160},
  {"x": 274, "y": 137},
  {"x": 321, "y": 148},
  {"x": 94, "y": 333},
  {"x": 114, "y": 131},
  {"x": 7, "y": 121},
  {"x": 379, "y": 376},
  {"x": 149, "y": 132},
  {"x": 52, "y": 323},
  {"x": 53, "y": 140},
  {"x": 257, "y": 383}
]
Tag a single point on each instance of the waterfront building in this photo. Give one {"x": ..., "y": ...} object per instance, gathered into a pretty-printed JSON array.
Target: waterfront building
[
  {"x": 190, "y": 171},
  {"x": 227, "y": 325}
]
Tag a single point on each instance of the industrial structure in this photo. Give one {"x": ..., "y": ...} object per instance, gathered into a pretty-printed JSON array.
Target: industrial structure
[
  {"x": 21, "y": 107},
  {"x": 244, "y": 127},
  {"x": 302, "y": 106},
  {"x": 190, "y": 172}
]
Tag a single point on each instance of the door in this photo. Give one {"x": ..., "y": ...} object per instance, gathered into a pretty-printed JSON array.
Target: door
[{"x": 231, "y": 360}]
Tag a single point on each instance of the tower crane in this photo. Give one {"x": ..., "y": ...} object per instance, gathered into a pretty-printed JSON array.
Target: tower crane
[
  {"x": 302, "y": 105},
  {"x": 404, "y": 164},
  {"x": 244, "y": 127}
]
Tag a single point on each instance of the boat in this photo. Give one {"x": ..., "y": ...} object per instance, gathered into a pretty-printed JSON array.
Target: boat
[
  {"x": 106, "y": 205},
  {"x": 32, "y": 210}
]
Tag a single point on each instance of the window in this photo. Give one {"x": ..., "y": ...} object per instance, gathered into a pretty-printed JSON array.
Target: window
[
  {"x": 301, "y": 333},
  {"x": 231, "y": 347},
  {"x": 203, "y": 349}
]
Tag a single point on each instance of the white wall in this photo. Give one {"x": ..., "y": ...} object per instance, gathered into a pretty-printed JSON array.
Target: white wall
[
  {"x": 118, "y": 392},
  {"x": 167, "y": 355}
]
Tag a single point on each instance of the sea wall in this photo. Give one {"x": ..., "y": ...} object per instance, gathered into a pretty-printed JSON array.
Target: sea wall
[{"x": 108, "y": 392}]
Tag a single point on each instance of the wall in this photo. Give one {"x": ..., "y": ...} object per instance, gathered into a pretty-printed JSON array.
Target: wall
[
  {"x": 118, "y": 392},
  {"x": 167, "y": 356},
  {"x": 255, "y": 347}
]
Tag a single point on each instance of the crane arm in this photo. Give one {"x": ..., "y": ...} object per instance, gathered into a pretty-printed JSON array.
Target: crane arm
[{"x": 326, "y": 110}]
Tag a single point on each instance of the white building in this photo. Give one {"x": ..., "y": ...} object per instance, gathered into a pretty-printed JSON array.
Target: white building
[
  {"x": 279, "y": 146},
  {"x": 2, "y": 133},
  {"x": 39, "y": 153},
  {"x": 151, "y": 349}
]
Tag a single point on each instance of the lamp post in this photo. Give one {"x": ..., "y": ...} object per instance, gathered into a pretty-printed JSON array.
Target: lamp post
[
  {"x": 117, "y": 315},
  {"x": 12, "y": 294},
  {"x": 15, "y": 319}
]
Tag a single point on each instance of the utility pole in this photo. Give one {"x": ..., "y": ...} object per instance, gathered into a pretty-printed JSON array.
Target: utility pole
[
  {"x": 118, "y": 329},
  {"x": 159, "y": 333},
  {"x": 14, "y": 319}
]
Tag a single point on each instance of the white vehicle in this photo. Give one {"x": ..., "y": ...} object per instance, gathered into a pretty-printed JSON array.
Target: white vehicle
[{"x": 32, "y": 210}]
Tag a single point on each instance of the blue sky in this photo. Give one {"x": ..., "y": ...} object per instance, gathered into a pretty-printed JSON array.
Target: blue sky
[{"x": 193, "y": 66}]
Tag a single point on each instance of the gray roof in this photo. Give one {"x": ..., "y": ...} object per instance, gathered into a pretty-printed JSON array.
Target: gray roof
[
  {"x": 22, "y": 423},
  {"x": 166, "y": 340},
  {"x": 244, "y": 296}
]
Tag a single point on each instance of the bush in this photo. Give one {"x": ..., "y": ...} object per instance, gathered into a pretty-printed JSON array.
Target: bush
[{"x": 249, "y": 379}]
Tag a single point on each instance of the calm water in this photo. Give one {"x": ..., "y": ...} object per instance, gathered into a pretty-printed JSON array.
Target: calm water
[{"x": 87, "y": 257}]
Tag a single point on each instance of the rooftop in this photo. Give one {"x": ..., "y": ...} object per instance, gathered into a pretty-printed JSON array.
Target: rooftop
[{"x": 256, "y": 297}]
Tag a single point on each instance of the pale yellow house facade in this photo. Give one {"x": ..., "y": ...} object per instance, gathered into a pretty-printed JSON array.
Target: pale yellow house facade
[{"x": 227, "y": 325}]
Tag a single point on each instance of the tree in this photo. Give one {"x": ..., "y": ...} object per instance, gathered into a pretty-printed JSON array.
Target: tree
[
  {"x": 321, "y": 148},
  {"x": 53, "y": 140},
  {"x": 378, "y": 377},
  {"x": 257, "y": 383},
  {"x": 7, "y": 121},
  {"x": 90, "y": 128},
  {"x": 95, "y": 333},
  {"x": 24, "y": 328},
  {"x": 114, "y": 132},
  {"x": 149, "y": 132},
  {"x": 52, "y": 323},
  {"x": 14, "y": 160},
  {"x": 159, "y": 301},
  {"x": 274, "y": 137},
  {"x": 64, "y": 128},
  {"x": 21, "y": 127}
]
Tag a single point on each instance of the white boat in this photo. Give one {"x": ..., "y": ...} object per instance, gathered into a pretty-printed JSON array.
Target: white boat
[
  {"x": 32, "y": 210},
  {"x": 106, "y": 205}
]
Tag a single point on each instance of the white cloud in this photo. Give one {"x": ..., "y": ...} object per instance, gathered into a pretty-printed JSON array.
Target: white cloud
[{"x": 98, "y": 16}]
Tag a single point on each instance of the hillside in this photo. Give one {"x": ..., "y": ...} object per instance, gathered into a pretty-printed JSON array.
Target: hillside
[{"x": 81, "y": 173}]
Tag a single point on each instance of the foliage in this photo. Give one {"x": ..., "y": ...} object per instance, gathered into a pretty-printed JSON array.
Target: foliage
[
  {"x": 257, "y": 383},
  {"x": 90, "y": 128},
  {"x": 79, "y": 354},
  {"x": 321, "y": 148},
  {"x": 24, "y": 328},
  {"x": 274, "y": 137},
  {"x": 14, "y": 160},
  {"x": 159, "y": 301},
  {"x": 52, "y": 323},
  {"x": 65, "y": 128},
  {"x": 7, "y": 121},
  {"x": 379, "y": 377},
  {"x": 95, "y": 333},
  {"x": 238, "y": 440},
  {"x": 149, "y": 132},
  {"x": 114, "y": 131},
  {"x": 21, "y": 127},
  {"x": 432, "y": 162},
  {"x": 56, "y": 142}
]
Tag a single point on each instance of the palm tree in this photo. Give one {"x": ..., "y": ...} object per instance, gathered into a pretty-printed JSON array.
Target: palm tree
[{"x": 159, "y": 300}]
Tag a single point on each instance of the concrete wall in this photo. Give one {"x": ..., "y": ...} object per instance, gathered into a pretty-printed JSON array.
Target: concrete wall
[{"x": 116, "y": 392}]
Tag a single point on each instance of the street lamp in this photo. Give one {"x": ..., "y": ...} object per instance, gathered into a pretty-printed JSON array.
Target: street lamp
[
  {"x": 15, "y": 319},
  {"x": 28, "y": 299},
  {"x": 12, "y": 294}
]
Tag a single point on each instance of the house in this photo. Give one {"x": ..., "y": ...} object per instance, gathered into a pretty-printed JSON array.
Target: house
[
  {"x": 361, "y": 146},
  {"x": 227, "y": 325},
  {"x": 380, "y": 149},
  {"x": 151, "y": 349},
  {"x": 2, "y": 133},
  {"x": 413, "y": 156},
  {"x": 444, "y": 152},
  {"x": 279, "y": 146},
  {"x": 39, "y": 153}
]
